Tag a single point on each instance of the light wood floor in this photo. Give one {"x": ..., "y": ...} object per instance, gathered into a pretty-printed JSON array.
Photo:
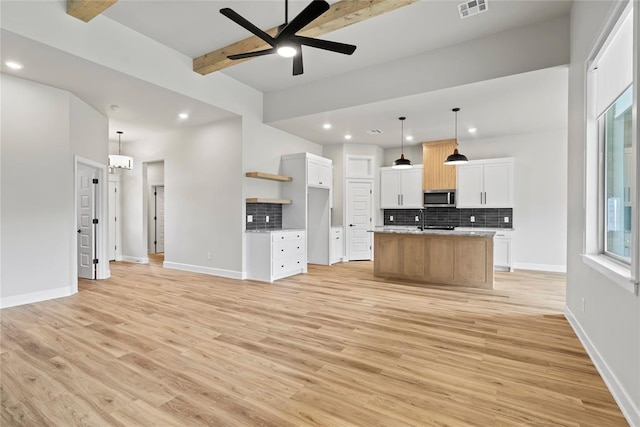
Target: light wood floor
[{"x": 336, "y": 347}]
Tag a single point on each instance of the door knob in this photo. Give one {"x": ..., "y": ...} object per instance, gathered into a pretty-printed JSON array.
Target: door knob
[
  {"x": 79, "y": 231},
  {"x": 352, "y": 225}
]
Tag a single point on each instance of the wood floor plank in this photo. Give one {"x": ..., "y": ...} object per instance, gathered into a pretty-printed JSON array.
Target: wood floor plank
[{"x": 335, "y": 347}]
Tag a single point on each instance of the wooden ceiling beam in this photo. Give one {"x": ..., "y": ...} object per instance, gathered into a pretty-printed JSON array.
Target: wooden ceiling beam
[
  {"x": 340, "y": 15},
  {"x": 86, "y": 10}
]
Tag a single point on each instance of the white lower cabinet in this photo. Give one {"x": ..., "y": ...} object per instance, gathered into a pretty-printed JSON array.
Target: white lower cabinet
[
  {"x": 336, "y": 245},
  {"x": 502, "y": 258},
  {"x": 272, "y": 255}
]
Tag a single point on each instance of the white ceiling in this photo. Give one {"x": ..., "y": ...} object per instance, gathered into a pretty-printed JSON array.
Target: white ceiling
[{"x": 516, "y": 104}]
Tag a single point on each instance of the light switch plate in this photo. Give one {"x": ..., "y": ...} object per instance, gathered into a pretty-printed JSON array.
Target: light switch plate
[
  {"x": 506, "y": 219},
  {"x": 267, "y": 218},
  {"x": 417, "y": 218},
  {"x": 472, "y": 218},
  {"x": 390, "y": 217},
  {"x": 249, "y": 218}
]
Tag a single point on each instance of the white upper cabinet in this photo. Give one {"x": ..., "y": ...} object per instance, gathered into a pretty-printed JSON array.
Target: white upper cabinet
[
  {"x": 485, "y": 184},
  {"x": 319, "y": 174},
  {"x": 401, "y": 188}
]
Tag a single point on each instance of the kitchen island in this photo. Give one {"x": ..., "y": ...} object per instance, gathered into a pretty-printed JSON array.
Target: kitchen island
[{"x": 462, "y": 258}]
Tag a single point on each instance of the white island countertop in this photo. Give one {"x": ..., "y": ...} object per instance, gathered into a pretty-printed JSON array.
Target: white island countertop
[
  {"x": 273, "y": 230},
  {"x": 416, "y": 230}
]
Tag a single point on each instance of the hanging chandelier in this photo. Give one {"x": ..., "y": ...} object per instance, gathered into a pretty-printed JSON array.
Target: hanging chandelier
[{"x": 118, "y": 160}]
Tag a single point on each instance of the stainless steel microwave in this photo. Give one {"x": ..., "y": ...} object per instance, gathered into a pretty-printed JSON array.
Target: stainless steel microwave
[{"x": 439, "y": 198}]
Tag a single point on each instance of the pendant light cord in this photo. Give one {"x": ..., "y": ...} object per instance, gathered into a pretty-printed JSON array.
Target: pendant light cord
[
  {"x": 119, "y": 142},
  {"x": 286, "y": 12}
]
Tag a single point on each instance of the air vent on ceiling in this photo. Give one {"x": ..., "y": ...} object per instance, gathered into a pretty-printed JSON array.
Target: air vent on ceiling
[
  {"x": 473, "y": 7},
  {"x": 374, "y": 132}
]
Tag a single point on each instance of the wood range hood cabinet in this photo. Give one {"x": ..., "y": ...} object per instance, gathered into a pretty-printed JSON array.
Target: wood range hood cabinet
[{"x": 435, "y": 174}]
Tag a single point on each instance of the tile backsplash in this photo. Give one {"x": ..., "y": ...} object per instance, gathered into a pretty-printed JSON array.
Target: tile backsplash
[
  {"x": 441, "y": 216},
  {"x": 259, "y": 212}
]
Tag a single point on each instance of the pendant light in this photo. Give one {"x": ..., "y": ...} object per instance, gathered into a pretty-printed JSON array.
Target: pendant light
[
  {"x": 402, "y": 163},
  {"x": 118, "y": 160},
  {"x": 456, "y": 158}
]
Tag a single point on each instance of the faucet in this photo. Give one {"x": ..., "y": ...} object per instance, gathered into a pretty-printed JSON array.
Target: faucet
[{"x": 421, "y": 226}]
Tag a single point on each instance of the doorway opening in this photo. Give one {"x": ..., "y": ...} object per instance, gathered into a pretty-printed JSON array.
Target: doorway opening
[{"x": 155, "y": 210}]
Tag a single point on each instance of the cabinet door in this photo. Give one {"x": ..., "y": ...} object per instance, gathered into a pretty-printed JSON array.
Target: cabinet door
[
  {"x": 469, "y": 193},
  {"x": 389, "y": 189},
  {"x": 502, "y": 252},
  {"x": 411, "y": 188},
  {"x": 498, "y": 185},
  {"x": 319, "y": 174}
]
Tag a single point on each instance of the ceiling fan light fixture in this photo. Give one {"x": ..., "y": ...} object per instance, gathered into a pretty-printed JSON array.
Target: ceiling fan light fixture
[
  {"x": 287, "y": 50},
  {"x": 402, "y": 163},
  {"x": 456, "y": 158}
]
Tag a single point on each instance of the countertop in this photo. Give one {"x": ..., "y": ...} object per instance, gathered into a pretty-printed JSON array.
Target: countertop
[
  {"x": 416, "y": 230},
  {"x": 273, "y": 231}
]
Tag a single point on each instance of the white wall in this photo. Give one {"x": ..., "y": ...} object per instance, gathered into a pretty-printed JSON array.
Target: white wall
[
  {"x": 155, "y": 173},
  {"x": 42, "y": 128},
  {"x": 336, "y": 154},
  {"x": 540, "y": 211},
  {"x": 203, "y": 198},
  {"x": 609, "y": 326},
  {"x": 411, "y": 152}
]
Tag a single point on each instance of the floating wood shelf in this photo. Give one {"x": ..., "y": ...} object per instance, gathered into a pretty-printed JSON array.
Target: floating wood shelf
[
  {"x": 275, "y": 201},
  {"x": 269, "y": 176}
]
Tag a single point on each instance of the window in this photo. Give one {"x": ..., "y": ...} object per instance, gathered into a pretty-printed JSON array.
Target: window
[
  {"x": 616, "y": 140},
  {"x": 611, "y": 243}
]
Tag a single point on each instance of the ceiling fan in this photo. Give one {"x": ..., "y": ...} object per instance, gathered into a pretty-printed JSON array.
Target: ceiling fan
[{"x": 286, "y": 43}]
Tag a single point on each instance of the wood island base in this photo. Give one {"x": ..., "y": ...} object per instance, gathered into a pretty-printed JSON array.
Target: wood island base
[{"x": 454, "y": 258}]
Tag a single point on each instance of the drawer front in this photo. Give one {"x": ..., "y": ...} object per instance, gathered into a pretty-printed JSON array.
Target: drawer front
[
  {"x": 288, "y": 248},
  {"x": 286, "y": 266},
  {"x": 287, "y": 235}
]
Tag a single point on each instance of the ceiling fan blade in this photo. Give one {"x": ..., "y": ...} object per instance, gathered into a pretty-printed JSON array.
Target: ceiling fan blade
[
  {"x": 297, "y": 63},
  {"x": 344, "y": 48},
  {"x": 308, "y": 14},
  {"x": 252, "y": 54},
  {"x": 235, "y": 17}
]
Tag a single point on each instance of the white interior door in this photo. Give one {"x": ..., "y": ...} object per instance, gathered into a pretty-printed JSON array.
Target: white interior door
[
  {"x": 113, "y": 220},
  {"x": 359, "y": 220},
  {"x": 159, "y": 219},
  {"x": 86, "y": 215}
]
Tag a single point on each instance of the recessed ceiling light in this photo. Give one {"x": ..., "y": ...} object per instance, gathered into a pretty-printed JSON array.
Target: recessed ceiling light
[
  {"x": 115, "y": 107},
  {"x": 409, "y": 138},
  {"x": 327, "y": 125},
  {"x": 14, "y": 65},
  {"x": 347, "y": 136},
  {"x": 183, "y": 115},
  {"x": 472, "y": 130}
]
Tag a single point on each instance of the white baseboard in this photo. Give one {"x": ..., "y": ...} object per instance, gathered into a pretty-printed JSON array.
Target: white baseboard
[
  {"x": 205, "y": 270},
  {"x": 555, "y": 268},
  {"x": 135, "y": 259},
  {"x": 35, "y": 297},
  {"x": 622, "y": 398}
]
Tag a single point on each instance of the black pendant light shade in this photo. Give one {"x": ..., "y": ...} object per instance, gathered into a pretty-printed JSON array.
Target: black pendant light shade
[
  {"x": 456, "y": 158},
  {"x": 402, "y": 163}
]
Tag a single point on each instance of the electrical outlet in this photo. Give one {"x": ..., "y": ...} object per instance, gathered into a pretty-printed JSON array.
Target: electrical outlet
[
  {"x": 506, "y": 219},
  {"x": 391, "y": 218},
  {"x": 267, "y": 218},
  {"x": 249, "y": 218},
  {"x": 583, "y": 305},
  {"x": 472, "y": 218},
  {"x": 417, "y": 218},
  {"x": 208, "y": 255}
]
